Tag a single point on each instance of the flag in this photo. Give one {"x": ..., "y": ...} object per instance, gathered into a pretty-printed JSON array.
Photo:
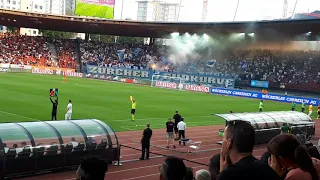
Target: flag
[
  {"x": 164, "y": 60},
  {"x": 136, "y": 52},
  {"x": 121, "y": 54},
  {"x": 244, "y": 65},
  {"x": 211, "y": 63}
]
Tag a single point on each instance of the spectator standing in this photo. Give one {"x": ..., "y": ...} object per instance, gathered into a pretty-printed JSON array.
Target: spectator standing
[
  {"x": 288, "y": 154},
  {"x": 182, "y": 129},
  {"x": 172, "y": 168},
  {"x": 92, "y": 168},
  {"x": 203, "y": 174},
  {"x": 177, "y": 118},
  {"x": 145, "y": 142},
  {"x": 236, "y": 159},
  {"x": 170, "y": 125}
]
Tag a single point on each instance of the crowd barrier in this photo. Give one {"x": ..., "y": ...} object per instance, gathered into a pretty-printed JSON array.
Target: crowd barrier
[{"x": 256, "y": 95}]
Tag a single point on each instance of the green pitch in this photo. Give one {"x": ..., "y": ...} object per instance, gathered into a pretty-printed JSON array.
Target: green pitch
[
  {"x": 93, "y": 10},
  {"x": 25, "y": 97}
]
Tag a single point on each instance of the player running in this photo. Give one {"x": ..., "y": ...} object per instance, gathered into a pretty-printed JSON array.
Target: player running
[
  {"x": 69, "y": 111},
  {"x": 133, "y": 108}
]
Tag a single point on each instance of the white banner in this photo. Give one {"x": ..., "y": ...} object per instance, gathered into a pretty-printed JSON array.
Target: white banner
[
  {"x": 41, "y": 71},
  {"x": 166, "y": 84},
  {"x": 197, "y": 88},
  {"x": 5, "y": 65},
  {"x": 16, "y": 66}
]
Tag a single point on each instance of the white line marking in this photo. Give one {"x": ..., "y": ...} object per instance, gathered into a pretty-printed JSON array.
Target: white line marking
[
  {"x": 18, "y": 115},
  {"x": 160, "y": 118}
]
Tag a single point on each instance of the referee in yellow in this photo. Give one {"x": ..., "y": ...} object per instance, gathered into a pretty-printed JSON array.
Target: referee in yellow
[{"x": 133, "y": 108}]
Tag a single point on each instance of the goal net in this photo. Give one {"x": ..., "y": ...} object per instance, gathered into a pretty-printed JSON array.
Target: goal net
[{"x": 166, "y": 82}]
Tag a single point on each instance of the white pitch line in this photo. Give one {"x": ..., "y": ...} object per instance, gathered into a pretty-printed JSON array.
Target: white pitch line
[
  {"x": 18, "y": 115},
  {"x": 159, "y": 118},
  {"x": 127, "y": 127}
]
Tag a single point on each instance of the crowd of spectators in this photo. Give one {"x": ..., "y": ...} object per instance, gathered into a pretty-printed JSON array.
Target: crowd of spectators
[
  {"x": 25, "y": 50},
  {"x": 66, "y": 53},
  {"x": 276, "y": 66}
]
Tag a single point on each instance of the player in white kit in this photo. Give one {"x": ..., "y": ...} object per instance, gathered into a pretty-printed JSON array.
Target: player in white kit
[{"x": 69, "y": 111}]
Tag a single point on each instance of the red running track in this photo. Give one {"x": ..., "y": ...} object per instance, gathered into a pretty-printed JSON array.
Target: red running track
[{"x": 132, "y": 168}]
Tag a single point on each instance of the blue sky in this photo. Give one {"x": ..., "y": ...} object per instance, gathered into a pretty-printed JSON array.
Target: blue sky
[{"x": 219, "y": 11}]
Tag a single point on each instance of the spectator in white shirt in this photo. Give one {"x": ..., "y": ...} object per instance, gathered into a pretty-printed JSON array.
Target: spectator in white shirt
[
  {"x": 181, "y": 128},
  {"x": 73, "y": 142}
]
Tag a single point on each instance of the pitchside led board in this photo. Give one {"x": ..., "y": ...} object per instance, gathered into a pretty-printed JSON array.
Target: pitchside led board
[
  {"x": 53, "y": 92},
  {"x": 95, "y": 8}
]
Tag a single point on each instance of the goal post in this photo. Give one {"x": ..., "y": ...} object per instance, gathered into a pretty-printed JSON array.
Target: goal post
[{"x": 166, "y": 82}]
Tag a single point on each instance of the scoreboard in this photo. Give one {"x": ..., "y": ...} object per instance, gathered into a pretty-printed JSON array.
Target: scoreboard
[{"x": 53, "y": 92}]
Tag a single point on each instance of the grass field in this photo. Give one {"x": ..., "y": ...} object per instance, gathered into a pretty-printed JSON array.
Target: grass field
[
  {"x": 25, "y": 97},
  {"x": 93, "y": 10}
]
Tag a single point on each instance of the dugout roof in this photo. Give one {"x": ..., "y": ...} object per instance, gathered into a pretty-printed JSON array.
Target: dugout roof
[
  {"x": 276, "y": 118},
  {"x": 287, "y": 28},
  {"x": 57, "y": 132}
]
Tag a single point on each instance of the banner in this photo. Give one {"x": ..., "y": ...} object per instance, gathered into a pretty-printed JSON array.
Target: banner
[
  {"x": 262, "y": 84},
  {"x": 15, "y": 66},
  {"x": 272, "y": 97},
  {"x": 169, "y": 85},
  {"x": 218, "y": 80},
  {"x": 53, "y": 69},
  {"x": 95, "y": 8},
  {"x": 197, "y": 88},
  {"x": 73, "y": 74},
  {"x": 4, "y": 70},
  {"x": 42, "y": 71}
]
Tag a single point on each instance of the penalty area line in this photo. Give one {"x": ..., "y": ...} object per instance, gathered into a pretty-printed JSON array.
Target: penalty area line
[{"x": 12, "y": 114}]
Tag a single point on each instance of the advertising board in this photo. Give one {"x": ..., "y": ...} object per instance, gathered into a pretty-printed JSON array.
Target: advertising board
[
  {"x": 169, "y": 85},
  {"x": 262, "y": 84},
  {"x": 197, "y": 88},
  {"x": 273, "y": 97}
]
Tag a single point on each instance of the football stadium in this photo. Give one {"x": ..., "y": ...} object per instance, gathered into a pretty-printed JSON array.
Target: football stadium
[{"x": 87, "y": 95}]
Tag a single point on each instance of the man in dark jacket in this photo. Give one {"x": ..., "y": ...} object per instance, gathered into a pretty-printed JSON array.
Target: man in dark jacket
[
  {"x": 145, "y": 142},
  {"x": 54, "y": 109},
  {"x": 177, "y": 118}
]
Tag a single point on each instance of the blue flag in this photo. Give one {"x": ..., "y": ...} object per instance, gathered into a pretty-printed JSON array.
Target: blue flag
[
  {"x": 211, "y": 63},
  {"x": 121, "y": 54}
]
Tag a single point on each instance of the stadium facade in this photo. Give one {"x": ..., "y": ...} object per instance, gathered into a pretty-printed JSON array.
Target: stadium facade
[
  {"x": 313, "y": 15},
  {"x": 57, "y": 7}
]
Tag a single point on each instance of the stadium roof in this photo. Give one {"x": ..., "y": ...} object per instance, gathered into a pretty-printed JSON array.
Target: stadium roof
[{"x": 288, "y": 28}]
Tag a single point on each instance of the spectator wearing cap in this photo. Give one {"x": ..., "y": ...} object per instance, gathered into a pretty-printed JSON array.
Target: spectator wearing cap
[
  {"x": 170, "y": 136},
  {"x": 92, "y": 168},
  {"x": 236, "y": 159},
  {"x": 203, "y": 174},
  {"x": 182, "y": 129},
  {"x": 172, "y": 168}
]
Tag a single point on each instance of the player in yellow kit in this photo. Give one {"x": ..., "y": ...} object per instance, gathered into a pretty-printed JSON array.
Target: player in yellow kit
[{"x": 133, "y": 108}]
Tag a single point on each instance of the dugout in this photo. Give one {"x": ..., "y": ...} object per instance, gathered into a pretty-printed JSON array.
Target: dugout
[
  {"x": 34, "y": 147},
  {"x": 268, "y": 124}
]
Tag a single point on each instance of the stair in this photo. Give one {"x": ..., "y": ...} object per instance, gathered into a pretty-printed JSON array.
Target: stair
[{"x": 54, "y": 52}]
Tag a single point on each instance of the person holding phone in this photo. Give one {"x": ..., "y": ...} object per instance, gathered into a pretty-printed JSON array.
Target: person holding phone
[
  {"x": 236, "y": 158},
  {"x": 54, "y": 109}
]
